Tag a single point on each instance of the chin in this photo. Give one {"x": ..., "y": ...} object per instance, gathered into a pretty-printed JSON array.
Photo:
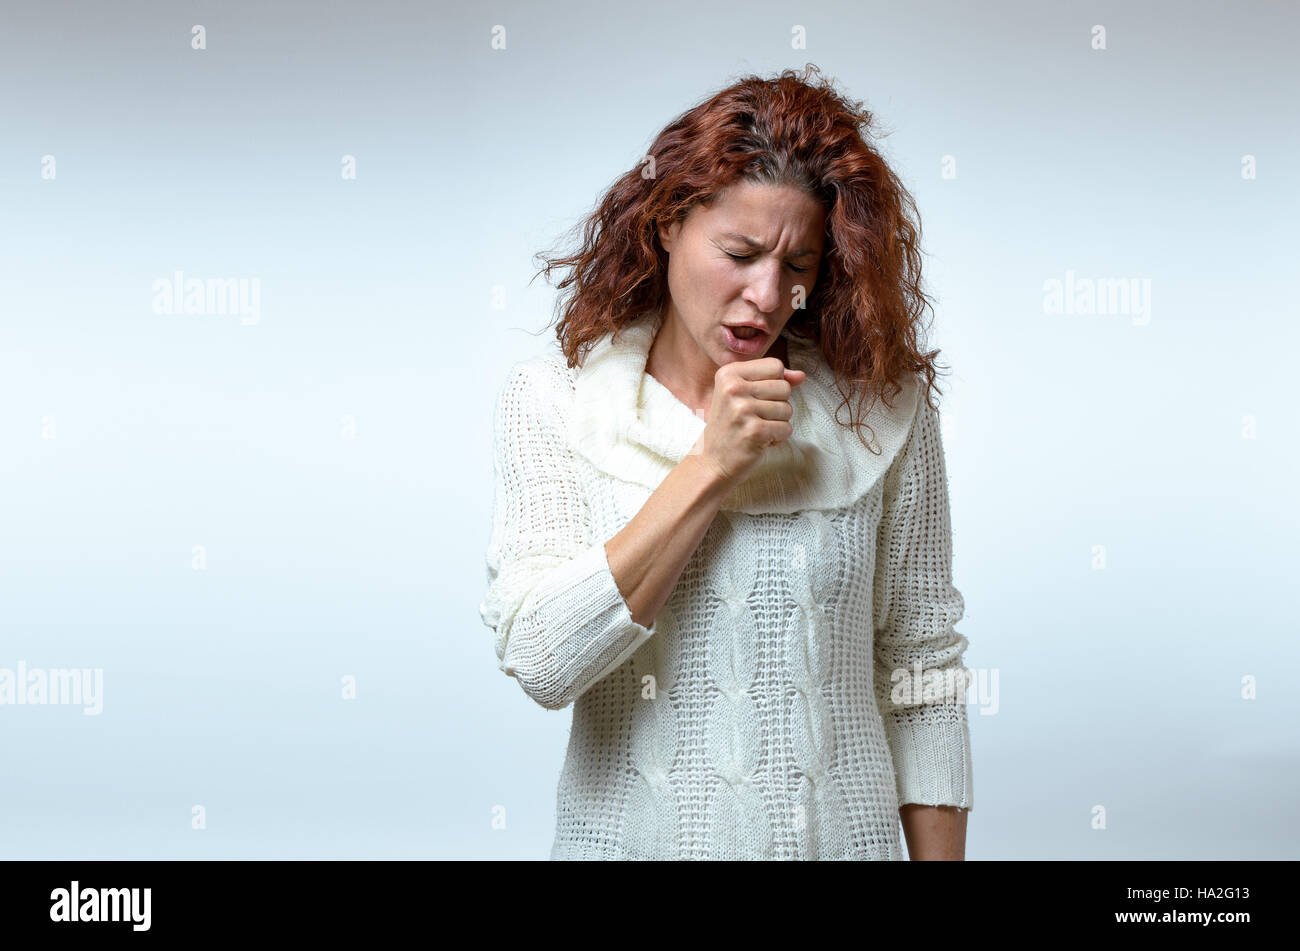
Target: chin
[{"x": 729, "y": 356}]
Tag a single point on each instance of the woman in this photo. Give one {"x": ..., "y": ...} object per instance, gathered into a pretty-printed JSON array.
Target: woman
[{"x": 734, "y": 588}]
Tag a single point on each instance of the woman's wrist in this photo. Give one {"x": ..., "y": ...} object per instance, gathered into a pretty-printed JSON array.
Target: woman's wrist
[
  {"x": 708, "y": 474},
  {"x": 934, "y": 833}
]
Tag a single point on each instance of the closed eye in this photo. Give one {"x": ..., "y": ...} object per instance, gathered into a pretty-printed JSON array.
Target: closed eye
[{"x": 746, "y": 257}]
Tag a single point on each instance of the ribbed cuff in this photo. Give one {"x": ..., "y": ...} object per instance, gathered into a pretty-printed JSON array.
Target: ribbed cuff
[
  {"x": 623, "y": 618},
  {"x": 932, "y": 762},
  {"x": 573, "y": 631}
]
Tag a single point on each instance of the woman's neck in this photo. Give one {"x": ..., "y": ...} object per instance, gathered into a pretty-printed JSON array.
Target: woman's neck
[{"x": 667, "y": 364}]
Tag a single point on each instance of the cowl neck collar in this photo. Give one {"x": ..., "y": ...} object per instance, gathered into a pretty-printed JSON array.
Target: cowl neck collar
[{"x": 630, "y": 426}]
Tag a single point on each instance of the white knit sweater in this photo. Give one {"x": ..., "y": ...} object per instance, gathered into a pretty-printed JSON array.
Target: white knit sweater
[{"x": 758, "y": 717}]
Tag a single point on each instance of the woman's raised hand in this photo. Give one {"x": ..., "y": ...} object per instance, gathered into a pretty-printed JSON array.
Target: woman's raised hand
[{"x": 750, "y": 412}]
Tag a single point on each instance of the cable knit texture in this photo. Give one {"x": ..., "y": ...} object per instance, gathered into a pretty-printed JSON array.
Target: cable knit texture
[{"x": 762, "y": 715}]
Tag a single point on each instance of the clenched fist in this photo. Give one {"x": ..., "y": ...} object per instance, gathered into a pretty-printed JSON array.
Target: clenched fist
[{"x": 750, "y": 412}]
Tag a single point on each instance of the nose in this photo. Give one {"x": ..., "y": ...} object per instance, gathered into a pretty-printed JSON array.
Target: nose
[{"x": 763, "y": 290}]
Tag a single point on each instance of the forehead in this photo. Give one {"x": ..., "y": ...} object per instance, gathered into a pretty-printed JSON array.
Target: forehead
[{"x": 766, "y": 213}]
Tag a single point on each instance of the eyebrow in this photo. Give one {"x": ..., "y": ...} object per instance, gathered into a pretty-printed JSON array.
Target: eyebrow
[{"x": 757, "y": 245}]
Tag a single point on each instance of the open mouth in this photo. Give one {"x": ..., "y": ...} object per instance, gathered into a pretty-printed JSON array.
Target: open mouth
[{"x": 747, "y": 341}]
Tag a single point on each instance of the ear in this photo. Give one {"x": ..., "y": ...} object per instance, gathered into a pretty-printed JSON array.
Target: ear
[{"x": 668, "y": 234}]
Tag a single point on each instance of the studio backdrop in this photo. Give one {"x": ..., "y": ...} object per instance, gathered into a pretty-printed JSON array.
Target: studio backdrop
[{"x": 264, "y": 269}]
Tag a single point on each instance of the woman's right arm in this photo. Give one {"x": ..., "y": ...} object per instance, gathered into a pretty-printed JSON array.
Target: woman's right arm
[
  {"x": 561, "y": 620},
  {"x": 568, "y": 612},
  {"x": 561, "y": 624},
  {"x": 647, "y": 557},
  {"x": 750, "y": 409}
]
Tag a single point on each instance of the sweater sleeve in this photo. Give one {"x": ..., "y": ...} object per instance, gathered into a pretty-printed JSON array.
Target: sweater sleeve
[
  {"x": 561, "y": 622},
  {"x": 916, "y": 608}
]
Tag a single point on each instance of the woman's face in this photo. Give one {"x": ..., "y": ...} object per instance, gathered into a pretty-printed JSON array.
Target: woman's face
[{"x": 750, "y": 257}]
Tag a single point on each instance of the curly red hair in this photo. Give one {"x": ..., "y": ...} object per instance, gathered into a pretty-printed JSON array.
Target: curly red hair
[{"x": 865, "y": 309}]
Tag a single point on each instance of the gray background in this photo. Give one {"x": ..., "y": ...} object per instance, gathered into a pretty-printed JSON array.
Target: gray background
[{"x": 402, "y": 298}]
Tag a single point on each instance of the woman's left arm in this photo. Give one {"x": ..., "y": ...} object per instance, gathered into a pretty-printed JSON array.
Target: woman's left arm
[
  {"x": 934, "y": 832},
  {"x": 920, "y": 679}
]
